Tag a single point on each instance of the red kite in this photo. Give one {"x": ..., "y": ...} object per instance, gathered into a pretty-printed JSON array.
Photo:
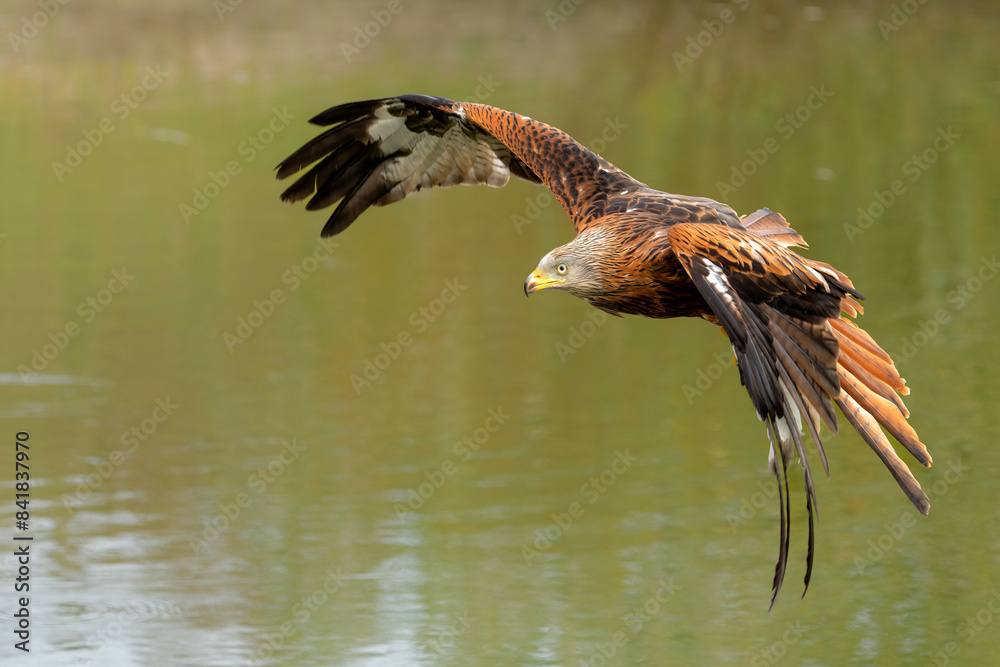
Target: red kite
[{"x": 644, "y": 252}]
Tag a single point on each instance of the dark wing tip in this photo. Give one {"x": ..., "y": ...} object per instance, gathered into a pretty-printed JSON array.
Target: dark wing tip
[
  {"x": 812, "y": 546},
  {"x": 350, "y": 111},
  {"x": 344, "y": 160},
  {"x": 297, "y": 191},
  {"x": 333, "y": 227},
  {"x": 784, "y": 502},
  {"x": 376, "y": 152}
]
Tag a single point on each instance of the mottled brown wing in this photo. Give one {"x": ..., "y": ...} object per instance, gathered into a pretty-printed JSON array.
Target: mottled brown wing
[
  {"x": 869, "y": 382},
  {"x": 796, "y": 352},
  {"x": 661, "y": 208},
  {"x": 766, "y": 222},
  {"x": 591, "y": 190},
  {"x": 775, "y": 308},
  {"x": 378, "y": 151},
  {"x": 762, "y": 269}
]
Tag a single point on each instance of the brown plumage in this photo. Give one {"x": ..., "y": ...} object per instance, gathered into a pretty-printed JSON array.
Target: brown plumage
[{"x": 644, "y": 252}]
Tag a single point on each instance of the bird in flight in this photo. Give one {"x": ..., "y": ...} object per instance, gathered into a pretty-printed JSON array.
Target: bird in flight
[{"x": 644, "y": 252}]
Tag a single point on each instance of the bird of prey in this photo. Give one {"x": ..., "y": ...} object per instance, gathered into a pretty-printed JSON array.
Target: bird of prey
[{"x": 644, "y": 252}]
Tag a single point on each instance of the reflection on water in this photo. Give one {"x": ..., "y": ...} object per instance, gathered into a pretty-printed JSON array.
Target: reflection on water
[{"x": 280, "y": 513}]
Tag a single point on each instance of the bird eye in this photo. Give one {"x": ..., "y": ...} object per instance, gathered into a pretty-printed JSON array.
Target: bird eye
[{"x": 561, "y": 268}]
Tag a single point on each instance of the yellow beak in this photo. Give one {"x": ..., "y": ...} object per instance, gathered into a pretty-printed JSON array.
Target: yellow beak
[{"x": 536, "y": 281}]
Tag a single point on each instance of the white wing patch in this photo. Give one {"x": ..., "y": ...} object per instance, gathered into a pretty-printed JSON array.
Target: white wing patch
[
  {"x": 391, "y": 135},
  {"x": 386, "y": 126},
  {"x": 785, "y": 440},
  {"x": 382, "y": 112},
  {"x": 718, "y": 281},
  {"x": 442, "y": 161}
]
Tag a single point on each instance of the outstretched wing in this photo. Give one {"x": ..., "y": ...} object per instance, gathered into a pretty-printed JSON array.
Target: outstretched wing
[
  {"x": 870, "y": 385},
  {"x": 378, "y": 151},
  {"x": 797, "y": 355},
  {"x": 775, "y": 308}
]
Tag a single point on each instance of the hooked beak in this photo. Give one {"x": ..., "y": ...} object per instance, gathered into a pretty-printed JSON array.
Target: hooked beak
[{"x": 536, "y": 281}]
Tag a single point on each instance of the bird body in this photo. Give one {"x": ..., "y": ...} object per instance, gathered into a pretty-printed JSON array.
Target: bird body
[{"x": 643, "y": 252}]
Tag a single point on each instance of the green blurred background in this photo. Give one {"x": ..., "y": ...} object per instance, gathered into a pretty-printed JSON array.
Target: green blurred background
[{"x": 200, "y": 501}]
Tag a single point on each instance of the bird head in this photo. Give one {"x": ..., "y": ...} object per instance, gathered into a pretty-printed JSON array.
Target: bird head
[{"x": 571, "y": 268}]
